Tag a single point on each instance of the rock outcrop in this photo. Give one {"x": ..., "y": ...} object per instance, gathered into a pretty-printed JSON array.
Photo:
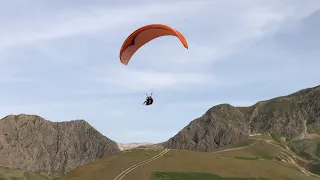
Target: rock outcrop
[
  {"x": 32, "y": 143},
  {"x": 293, "y": 116}
]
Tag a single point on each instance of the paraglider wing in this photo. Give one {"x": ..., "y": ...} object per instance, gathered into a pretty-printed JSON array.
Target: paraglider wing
[{"x": 145, "y": 34}]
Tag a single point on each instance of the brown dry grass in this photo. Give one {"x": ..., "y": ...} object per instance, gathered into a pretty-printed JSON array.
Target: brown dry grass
[
  {"x": 222, "y": 163},
  {"x": 187, "y": 161},
  {"x": 16, "y": 174},
  {"x": 109, "y": 167}
]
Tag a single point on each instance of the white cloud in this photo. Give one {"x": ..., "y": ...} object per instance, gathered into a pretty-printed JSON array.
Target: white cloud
[
  {"x": 255, "y": 24},
  {"x": 131, "y": 80},
  {"x": 243, "y": 27},
  {"x": 82, "y": 21}
]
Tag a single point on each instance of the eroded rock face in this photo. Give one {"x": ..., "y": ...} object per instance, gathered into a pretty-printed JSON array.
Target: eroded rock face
[
  {"x": 32, "y": 143},
  {"x": 219, "y": 126},
  {"x": 293, "y": 116}
]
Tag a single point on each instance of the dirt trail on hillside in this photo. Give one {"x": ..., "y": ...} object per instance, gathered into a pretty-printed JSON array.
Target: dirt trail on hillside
[{"x": 121, "y": 175}]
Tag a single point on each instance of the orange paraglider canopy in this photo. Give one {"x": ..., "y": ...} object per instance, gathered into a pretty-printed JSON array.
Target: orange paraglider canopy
[{"x": 145, "y": 34}]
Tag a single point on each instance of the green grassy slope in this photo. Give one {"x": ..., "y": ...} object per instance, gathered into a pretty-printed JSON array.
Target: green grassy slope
[
  {"x": 257, "y": 157},
  {"x": 265, "y": 156},
  {"x": 13, "y": 174},
  {"x": 193, "y": 176},
  {"x": 308, "y": 149}
]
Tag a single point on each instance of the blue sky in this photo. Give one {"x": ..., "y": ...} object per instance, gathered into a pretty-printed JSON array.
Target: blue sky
[{"x": 60, "y": 60}]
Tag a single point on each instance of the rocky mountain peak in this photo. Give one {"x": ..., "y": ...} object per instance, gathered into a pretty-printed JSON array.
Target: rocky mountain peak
[
  {"x": 31, "y": 143},
  {"x": 293, "y": 116}
]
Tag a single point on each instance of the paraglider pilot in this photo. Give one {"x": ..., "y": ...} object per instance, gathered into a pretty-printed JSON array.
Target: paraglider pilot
[{"x": 149, "y": 100}]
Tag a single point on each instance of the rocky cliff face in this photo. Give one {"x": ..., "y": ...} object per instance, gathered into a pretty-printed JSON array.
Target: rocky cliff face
[
  {"x": 32, "y": 143},
  {"x": 293, "y": 116}
]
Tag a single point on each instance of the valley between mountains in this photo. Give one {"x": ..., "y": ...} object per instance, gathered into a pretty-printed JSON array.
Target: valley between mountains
[{"x": 276, "y": 139}]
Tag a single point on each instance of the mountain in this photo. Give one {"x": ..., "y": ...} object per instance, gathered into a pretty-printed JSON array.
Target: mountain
[
  {"x": 128, "y": 146},
  {"x": 294, "y": 117},
  {"x": 31, "y": 143}
]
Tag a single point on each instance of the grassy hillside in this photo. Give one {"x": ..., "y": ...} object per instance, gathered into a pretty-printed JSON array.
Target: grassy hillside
[
  {"x": 11, "y": 174},
  {"x": 309, "y": 149},
  {"x": 109, "y": 167},
  {"x": 193, "y": 176},
  {"x": 262, "y": 156}
]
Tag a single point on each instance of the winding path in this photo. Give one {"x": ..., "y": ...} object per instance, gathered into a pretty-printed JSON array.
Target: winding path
[
  {"x": 231, "y": 149},
  {"x": 121, "y": 175}
]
